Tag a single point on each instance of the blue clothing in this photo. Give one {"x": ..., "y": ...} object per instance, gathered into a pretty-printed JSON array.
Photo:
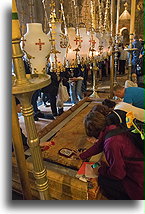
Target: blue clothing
[
  {"x": 136, "y": 44},
  {"x": 135, "y": 54},
  {"x": 76, "y": 91},
  {"x": 135, "y": 96}
]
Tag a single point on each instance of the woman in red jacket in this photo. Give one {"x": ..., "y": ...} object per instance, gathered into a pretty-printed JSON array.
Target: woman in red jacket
[{"x": 122, "y": 178}]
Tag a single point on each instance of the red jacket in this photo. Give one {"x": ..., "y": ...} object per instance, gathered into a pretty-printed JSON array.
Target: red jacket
[{"x": 117, "y": 150}]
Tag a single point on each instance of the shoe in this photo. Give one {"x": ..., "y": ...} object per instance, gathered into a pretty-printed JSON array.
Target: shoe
[
  {"x": 46, "y": 105},
  {"x": 60, "y": 111},
  {"x": 36, "y": 118},
  {"x": 40, "y": 114}
]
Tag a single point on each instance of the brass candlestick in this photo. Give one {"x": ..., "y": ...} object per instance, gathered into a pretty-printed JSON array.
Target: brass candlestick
[
  {"x": 23, "y": 87},
  {"x": 94, "y": 70},
  {"x": 77, "y": 55},
  {"x": 116, "y": 51},
  {"x": 94, "y": 94}
]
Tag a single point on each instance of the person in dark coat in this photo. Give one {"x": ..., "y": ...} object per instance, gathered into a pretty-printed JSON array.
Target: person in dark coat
[{"x": 51, "y": 91}]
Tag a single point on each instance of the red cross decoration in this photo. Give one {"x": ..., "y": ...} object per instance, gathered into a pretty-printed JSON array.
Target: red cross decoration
[
  {"x": 23, "y": 42},
  {"x": 40, "y": 44},
  {"x": 92, "y": 41},
  {"x": 76, "y": 40}
]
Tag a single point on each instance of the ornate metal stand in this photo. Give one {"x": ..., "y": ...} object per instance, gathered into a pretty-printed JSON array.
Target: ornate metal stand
[
  {"x": 23, "y": 87},
  {"x": 116, "y": 51},
  {"x": 94, "y": 94},
  {"x": 19, "y": 152}
]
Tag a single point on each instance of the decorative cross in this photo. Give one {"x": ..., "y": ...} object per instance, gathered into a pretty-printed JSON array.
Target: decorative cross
[
  {"x": 52, "y": 4},
  {"x": 23, "y": 42},
  {"x": 77, "y": 39},
  {"x": 40, "y": 44}
]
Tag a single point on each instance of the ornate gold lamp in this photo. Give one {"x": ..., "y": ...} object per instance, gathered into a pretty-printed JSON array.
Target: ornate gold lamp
[{"x": 23, "y": 87}]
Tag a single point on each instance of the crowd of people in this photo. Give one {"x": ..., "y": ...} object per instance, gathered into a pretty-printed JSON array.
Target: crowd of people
[
  {"x": 74, "y": 78},
  {"x": 121, "y": 176},
  {"x": 137, "y": 59}
]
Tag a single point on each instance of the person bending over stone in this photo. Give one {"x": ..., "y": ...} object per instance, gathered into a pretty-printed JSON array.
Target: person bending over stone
[
  {"x": 121, "y": 178},
  {"x": 131, "y": 95}
]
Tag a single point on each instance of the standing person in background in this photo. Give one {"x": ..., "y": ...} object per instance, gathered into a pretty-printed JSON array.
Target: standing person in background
[
  {"x": 140, "y": 67},
  {"x": 136, "y": 53},
  {"x": 75, "y": 84},
  {"x": 122, "y": 59},
  {"x": 51, "y": 91}
]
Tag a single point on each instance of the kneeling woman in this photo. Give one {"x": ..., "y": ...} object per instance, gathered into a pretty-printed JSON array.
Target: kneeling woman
[{"x": 122, "y": 178}]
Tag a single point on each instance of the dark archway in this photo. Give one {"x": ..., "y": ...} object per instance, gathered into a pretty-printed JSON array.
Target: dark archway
[{"x": 125, "y": 35}]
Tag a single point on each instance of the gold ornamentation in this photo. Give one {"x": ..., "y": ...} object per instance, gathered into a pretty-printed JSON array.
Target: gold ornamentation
[
  {"x": 63, "y": 40},
  {"x": 23, "y": 90}
]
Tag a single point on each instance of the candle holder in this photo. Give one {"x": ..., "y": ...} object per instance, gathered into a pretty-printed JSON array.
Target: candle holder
[
  {"x": 94, "y": 70},
  {"x": 94, "y": 94},
  {"x": 116, "y": 52},
  {"x": 23, "y": 87},
  {"x": 77, "y": 55}
]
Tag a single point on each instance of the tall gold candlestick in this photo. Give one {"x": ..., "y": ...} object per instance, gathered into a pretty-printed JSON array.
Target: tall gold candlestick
[{"x": 23, "y": 89}]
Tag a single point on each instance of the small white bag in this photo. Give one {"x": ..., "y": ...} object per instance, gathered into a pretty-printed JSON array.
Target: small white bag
[{"x": 62, "y": 95}]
